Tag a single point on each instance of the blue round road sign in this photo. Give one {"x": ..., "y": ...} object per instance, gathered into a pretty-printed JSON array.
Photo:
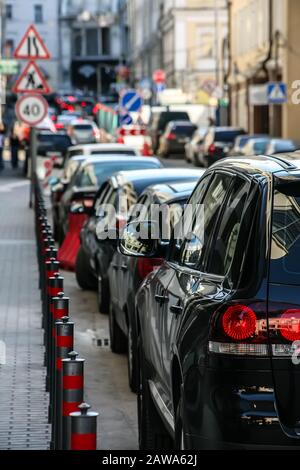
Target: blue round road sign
[
  {"x": 125, "y": 120},
  {"x": 132, "y": 101}
]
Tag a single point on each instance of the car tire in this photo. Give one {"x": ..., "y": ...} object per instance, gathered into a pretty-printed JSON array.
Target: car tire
[
  {"x": 84, "y": 277},
  {"x": 152, "y": 433},
  {"x": 132, "y": 360},
  {"x": 103, "y": 296},
  {"x": 197, "y": 161},
  {"x": 118, "y": 342}
]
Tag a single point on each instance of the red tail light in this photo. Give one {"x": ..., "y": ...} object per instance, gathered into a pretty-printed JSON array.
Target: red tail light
[
  {"x": 289, "y": 325},
  {"x": 83, "y": 104},
  {"x": 239, "y": 322},
  {"x": 146, "y": 266},
  {"x": 53, "y": 118},
  {"x": 171, "y": 136},
  {"x": 211, "y": 149},
  {"x": 59, "y": 126}
]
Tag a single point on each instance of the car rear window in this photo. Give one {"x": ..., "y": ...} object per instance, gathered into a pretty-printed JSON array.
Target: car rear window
[
  {"x": 284, "y": 146},
  {"x": 285, "y": 252},
  {"x": 226, "y": 136},
  {"x": 83, "y": 127},
  {"x": 127, "y": 153},
  {"x": 184, "y": 130},
  {"x": 167, "y": 117}
]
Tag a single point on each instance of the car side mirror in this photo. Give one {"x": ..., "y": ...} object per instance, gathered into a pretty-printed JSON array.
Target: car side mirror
[{"x": 140, "y": 240}]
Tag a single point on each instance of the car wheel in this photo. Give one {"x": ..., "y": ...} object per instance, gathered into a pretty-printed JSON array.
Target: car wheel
[
  {"x": 152, "y": 433},
  {"x": 118, "y": 341},
  {"x": 84, "y": 277},
  {"x": 197, "y": 160},
  {"x": 132, "y": 359},
  {"x": 103, "y": 296}
]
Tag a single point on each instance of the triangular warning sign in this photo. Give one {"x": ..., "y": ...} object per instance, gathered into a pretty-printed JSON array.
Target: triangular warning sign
[
  {"x": 277, "y": 94},
  {"x": 32, "y": 46},
  {"x": 31, "y": 80}
]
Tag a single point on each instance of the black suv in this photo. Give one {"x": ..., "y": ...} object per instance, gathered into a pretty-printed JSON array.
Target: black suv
[
  {"x": 159, "y": 122},
  {"x": 126, "y": 274},
  {"x": 219, "y": 322}
]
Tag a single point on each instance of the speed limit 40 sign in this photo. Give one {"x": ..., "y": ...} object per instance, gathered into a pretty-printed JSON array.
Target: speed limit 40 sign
[{"x": 31, "y": 109}]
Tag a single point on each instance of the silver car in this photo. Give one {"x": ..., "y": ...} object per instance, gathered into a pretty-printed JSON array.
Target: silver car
[{"x": 84, "y": 132}]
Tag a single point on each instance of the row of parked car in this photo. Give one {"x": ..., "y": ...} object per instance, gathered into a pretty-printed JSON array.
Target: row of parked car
[{"x": 209, "y": 315}]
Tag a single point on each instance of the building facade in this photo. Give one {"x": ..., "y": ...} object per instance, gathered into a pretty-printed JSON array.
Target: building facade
[
  {"x": 271, "y": 54},
  {"x": 18, "y": 15},
  {"x": 185, "y": 38},
  {"x": 94, "y": 42}
]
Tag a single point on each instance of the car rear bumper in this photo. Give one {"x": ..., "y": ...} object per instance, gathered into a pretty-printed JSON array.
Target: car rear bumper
[{"x": 232, "y": 408}]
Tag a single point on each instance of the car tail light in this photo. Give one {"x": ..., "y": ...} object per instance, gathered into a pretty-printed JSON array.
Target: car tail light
[
  {"x": 146, "y": 266},
  {"x": 70, "y": 107},
  {"x": 171, "y": 136},
  {"x": 59, "y": 126},
  {"x": 240, "y": 329},
  {"x": 83, "y": 104},
  {"x": 289, "y": 325},
  {"x": 239, "y": 322},
  {"x": 53, "y": 118},
  {"x": 211, "y": 149}
]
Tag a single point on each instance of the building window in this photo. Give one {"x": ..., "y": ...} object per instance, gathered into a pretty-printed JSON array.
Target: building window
[
  {"x": 92, "y": 42},
  {"x": 77, "y": 41},
  {"x": 105, "y": 38},
  {"x": 38, "y": 14},
  {"x": 8, "y": 11},
  {"x": 9, "y": 48}
]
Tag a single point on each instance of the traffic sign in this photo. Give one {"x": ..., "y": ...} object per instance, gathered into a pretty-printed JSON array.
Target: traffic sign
[
  {"x": 31, "y": 109},
  {"x": 159, "y": 76},
  {"x": 277, "y": 93},
  {"x": 31, "y": 80},
  {"x": 131, "y": 101},
  {"x": 8, "y": 67},
  {"x": 125, "y": 120},
  {"x": 32, "y": 46},
  {"x": 160, "y": 87}
]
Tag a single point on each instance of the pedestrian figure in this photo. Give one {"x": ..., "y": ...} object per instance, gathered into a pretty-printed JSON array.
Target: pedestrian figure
[
  {"x": 14, "y": 147},
  {"x": 2, "y": 139}
]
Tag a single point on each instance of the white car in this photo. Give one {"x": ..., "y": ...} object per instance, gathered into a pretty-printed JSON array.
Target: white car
[
  {"x": 84, "y": 132},
  {"x": 98, "y": 149}
]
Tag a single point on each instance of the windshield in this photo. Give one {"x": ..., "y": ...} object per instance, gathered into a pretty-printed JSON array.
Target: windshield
[{"x": 226, "y": 136}]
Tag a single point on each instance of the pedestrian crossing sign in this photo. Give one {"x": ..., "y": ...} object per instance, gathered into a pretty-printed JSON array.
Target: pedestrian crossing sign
[
  {"x": 31, "y": 80},
  {"x": 277, "y": 93}
]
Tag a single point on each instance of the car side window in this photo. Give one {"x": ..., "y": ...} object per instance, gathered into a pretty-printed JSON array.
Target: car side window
[
  {"x": 101, "y": 199},
  {"x": 205, "y": 216},
  {"x": 194, "y": 201},
  {"x": 225, "y": 241}
]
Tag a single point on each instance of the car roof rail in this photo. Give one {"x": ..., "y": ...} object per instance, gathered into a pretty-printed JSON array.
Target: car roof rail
[{"x": 284, "y": 163}]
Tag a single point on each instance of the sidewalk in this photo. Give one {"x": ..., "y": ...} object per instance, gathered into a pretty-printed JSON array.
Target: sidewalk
[{"x": 23, "y": 402}]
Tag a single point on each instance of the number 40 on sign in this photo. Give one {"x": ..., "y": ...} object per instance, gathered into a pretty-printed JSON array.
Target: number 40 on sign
[{"x": 31, "y": 109}]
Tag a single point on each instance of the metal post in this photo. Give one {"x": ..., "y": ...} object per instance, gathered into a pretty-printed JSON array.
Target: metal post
[
  {"x": 60, "y": 309},
  {"x": 73, "y": 390},
  {"x": 64, "y": 344},
  {"x": 84, "y": 429},
  {"x": 33, "y": 155}
]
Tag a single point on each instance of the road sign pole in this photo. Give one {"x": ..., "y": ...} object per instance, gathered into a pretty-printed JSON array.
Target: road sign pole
[{"x": 33, "y": 155}]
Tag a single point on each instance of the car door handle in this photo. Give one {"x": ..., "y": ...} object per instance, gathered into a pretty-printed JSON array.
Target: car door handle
[
  {"x": 124, "y": 267},
  {"x": 161, "y": 299},
  {"x": 176, "y": 309}
]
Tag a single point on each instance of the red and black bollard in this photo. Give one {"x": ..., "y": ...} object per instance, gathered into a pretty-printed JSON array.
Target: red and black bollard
[
  {"x": 73, "y": 390},
  {"x": 55, "y": 285},
  {"x": 59, "y": 308},
  {"x": 64, "y": 344},
  {"x": 84, "y": 429}
]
